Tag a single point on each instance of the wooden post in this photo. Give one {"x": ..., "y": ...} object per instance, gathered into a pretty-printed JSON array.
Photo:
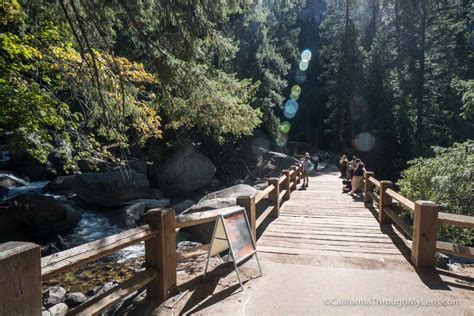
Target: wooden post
[
  {"x": 275, "y": 195},
  {"x": 286, "y": 184},
  {"x": 160, "y": 253},
  {"x": 298, "y": 173},
  {"x": 248, "y": 202},
  {"x": 425, "y": 222},
  {"x": 368, "y": 186},
  {"x": 20, "y": 279},
  {"x": 385, "y": 200},
  {"x": 293, "y": 177}
]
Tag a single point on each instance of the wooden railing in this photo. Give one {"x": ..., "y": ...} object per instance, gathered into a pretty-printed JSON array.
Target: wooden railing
[
  {"x": 22, "y": 269},
  {"x": 426, "y": 219}
]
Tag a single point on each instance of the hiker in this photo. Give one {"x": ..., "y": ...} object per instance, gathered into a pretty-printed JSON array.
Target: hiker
[
  {"x": 307, "y": 168},
  {"x": 358, "y": 176},
  {"x": 344, "y": 163}
]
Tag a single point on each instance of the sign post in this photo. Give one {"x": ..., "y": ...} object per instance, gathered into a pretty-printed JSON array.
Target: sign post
[{"x": 232, "y": 231}]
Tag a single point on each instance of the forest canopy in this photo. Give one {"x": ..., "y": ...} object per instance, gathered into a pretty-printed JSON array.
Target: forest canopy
[{"x": 383, "y": 79}]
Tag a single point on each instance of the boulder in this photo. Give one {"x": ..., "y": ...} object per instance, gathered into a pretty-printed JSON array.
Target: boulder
[
  {"x": 272, "y": 164},
  {"x": 75, "y": 299},
  {"x": 182, "y": 206},
  {"x": 60, "y": 309},
  {"x": 185, "y": 171},
  {"x": 257, "y": 146},
  {"x": 42, "y": 215},
  {"x": 8, "y": 181},
  {"x": 25, "y": 165},
  {"x": 231, "y": 192},
  {"x": 136, "y": 210},
  {"x": 149, "y": 203},
  {"x": 61, "y": 183},
  {"x": 45, "y": 313},
  {"x": 55, "y": 295},
  {"x": 110, "y": 188},
  {"x": 213, "y": 201},
  {"x": 92, "y": 165},
  {"x": 156, "y": 194},
  {"x": 139, "y": 166}
]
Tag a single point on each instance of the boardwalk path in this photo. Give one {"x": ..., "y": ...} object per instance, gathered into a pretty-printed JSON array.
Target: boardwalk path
[{"x": 323, "y": 250}]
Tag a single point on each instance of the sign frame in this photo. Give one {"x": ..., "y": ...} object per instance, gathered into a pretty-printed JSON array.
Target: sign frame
[{"x": 220, "y": 221}]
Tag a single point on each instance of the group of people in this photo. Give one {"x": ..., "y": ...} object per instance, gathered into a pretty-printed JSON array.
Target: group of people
[{"x": 353, "y": 174}]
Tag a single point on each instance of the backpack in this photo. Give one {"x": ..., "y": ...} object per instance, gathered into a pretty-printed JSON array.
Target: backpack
[{"x": 310, "y": 166}]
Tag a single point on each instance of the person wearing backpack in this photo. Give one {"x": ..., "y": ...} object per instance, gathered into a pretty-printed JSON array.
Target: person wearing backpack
[{"x": 307, "y": 168}]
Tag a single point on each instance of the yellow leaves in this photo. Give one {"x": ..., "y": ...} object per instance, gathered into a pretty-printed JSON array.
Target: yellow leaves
[
  {"x": 147, "y": 123},
  {"x": 9, "y": 11},
  {"x": 134, "y": 71}
]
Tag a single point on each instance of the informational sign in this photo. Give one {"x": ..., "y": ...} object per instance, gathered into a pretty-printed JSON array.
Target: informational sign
[{"x": 232, "y": 232}]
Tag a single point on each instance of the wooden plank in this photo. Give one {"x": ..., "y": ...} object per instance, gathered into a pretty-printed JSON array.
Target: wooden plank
[
  {"x": 192, "y": 219},
  {"x": 264, "y": 215},
  {"x": 456, "y": 220},
  {"x": 344, "y": 246},
  {"x": 328, "y": 239},
  {"x": 68, "y": 259},
  {"x": 385, "y": 200},
  {"x": 375, "y": 182},
  {"x": 282, "y": 195},
  {"x": 318, "y": 252},
  {"x": 399, "y": 222},
  {"x": 425, "y": 222},
  {"x": 373, "y": 196},
  {"x": 20, "y": 279},
  {"x": 97, "y": 304},
  {"x": 264, "y": 193},
  {"x": 311, "y": 234},
  {"x": 406, "y": 203},
  {"x": 281, "y": 179},
  {"x": 191, "y": 253},
  {"x": 455, "y": 250},
  {"x": 160, "y": 254}
]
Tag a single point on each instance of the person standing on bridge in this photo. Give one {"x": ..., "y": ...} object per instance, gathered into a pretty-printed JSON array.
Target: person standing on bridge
[
  {"x": 358, "y": 176},
  {"x": 307, "y": 168}
]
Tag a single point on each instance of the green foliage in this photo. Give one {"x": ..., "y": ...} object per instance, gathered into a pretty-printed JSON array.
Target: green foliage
[
  {"x": 466, "y": 89},
  {"x": 446, "y": 179},
  {"x": 49, "y": 98}
]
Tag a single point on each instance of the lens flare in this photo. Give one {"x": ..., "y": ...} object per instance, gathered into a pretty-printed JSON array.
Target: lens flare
[
  {"x": 306, "y": 55},
  {"x": 300, "y": 76},
  {"x": 291, "y": 106},
  {"x": 285, "y": 127},
  {"x": 289, "y": 115},
  {"x": 294, "y": 96},
  {"x": 296, "y": 90},
  {"x": 364, "y": 142},
  {"x": 281, "y": 140},
  {"x": 303, "y": 65}
]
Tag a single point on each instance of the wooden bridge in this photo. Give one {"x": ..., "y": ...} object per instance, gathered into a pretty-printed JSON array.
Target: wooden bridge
[{"x": 321, "y": 250}]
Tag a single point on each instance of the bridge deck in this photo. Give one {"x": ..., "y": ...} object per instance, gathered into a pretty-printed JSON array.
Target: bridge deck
[{"x": 323, "y": 250}]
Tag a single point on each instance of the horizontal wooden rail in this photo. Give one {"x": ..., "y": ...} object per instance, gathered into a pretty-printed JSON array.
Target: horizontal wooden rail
[
  {"x": 426, "y": 218},
  {"x": 374, "y": 197},
  {"x": 264, "y": 215},
  {"x": 193, "y": 219},
  {"x": 455, "y": 250},
  {"x": 259, "y": 196},
  {"x": 100, "y": 303},
  {"x": 68, "y": 259},
  {"x": 161, "y": 257},
  {"x": 281, "y": 179},
  {"x": 400, "y": 223},
  {"x": 456, "y": 220},
  {"x": 375, "y": 182},
  {"x": 406, "y": 203}
]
